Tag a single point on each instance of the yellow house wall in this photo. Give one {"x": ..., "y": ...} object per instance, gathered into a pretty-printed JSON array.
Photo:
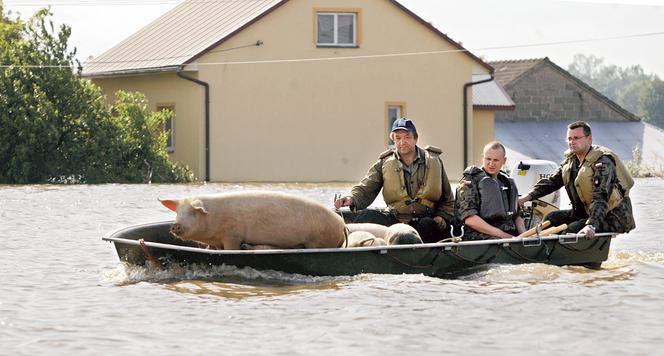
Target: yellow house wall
[
  {"x": 483, "y": 133},
  {"x": 325, "y": 120},
  {"x": 186, "y": 97}
]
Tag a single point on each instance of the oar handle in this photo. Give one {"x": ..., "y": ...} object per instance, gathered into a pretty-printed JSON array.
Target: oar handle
[
  {"x": 532, "y": 231},
  {"x": 553, "y": 230}
]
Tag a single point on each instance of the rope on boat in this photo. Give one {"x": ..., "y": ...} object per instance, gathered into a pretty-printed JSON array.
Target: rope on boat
[
  {"x": 476, "y": 261},
  {"x": 515, "y": 254},
  {"x": 450, "y": 239},
  {"x": 148, "y": 255},
  {"x": 591, "y": 246},
  {"x": 346, "y": 229},
  {"x": 409, "y": 265}
]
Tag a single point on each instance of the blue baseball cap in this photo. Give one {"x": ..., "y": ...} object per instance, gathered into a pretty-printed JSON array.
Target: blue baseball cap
[{"x": 404, "y": 124}]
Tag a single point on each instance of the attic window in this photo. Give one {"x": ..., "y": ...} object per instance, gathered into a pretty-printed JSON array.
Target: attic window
[{"x": 336, "y": 29}]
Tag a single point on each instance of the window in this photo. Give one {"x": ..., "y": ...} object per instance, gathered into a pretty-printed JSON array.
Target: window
[
  {"x": 393, "y": 112},
  {"x": 336, "y": 29},
  {"x": 169, "y": 127}
]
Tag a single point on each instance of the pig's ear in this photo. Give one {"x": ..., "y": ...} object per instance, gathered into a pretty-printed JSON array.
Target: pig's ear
[
  {"x": 199, "y": 206},
  {"x": 170, "y": 204}
]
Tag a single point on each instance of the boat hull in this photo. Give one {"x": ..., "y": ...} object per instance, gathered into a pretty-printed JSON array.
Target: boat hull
[{"x": 440, "y": 259}]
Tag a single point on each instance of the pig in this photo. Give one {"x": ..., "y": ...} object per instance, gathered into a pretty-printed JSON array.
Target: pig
[
  {"x": 402, "y": 234},
  {"x": 375, "y": 229},
  {"x": 232, "y": 221},
  {"x": 364, "y": 239}
]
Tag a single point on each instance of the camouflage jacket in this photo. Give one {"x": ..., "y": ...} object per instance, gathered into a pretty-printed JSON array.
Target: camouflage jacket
[
  {"x": 367, "y": 190},
  {"x": 468, "y": 201},
  {"x": 620, "y": 219}
]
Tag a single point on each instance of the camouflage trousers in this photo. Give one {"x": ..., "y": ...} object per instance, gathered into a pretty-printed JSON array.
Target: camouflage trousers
[{"x": 620, "y": 219}]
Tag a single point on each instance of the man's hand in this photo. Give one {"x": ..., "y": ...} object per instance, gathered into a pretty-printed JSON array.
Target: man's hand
[
  {"x": 523, "y": 199},
  {"x": 343, "y": 201},
  {"x": 588, "y": 231},
  {"x": 440, "y": 221}
]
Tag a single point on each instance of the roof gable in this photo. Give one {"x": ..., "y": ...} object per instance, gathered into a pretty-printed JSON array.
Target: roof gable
[
  {"x": 193, "y": 28},
  {"x": 510, "y": 72}
]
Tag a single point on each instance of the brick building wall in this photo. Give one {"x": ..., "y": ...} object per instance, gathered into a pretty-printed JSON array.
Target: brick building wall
[{"x": 545, "y": 94}]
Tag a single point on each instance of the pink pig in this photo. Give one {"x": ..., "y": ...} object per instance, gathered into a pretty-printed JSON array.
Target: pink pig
[{"x": 236, "y": 220}]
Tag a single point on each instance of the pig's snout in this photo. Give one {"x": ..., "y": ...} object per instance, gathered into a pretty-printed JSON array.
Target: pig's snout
[{"x": 177, "y": 229}]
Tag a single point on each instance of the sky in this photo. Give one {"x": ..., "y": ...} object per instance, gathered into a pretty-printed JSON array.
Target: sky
[{"x": 622, "y": 32}]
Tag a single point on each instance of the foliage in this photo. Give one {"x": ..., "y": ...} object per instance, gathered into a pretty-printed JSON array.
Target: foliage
[
  {"x": 638, "y": 92},
  {"x": 638, "y": 169},
  {"x": 56, "y": 126},
  {"x": 653, "y": 103}
]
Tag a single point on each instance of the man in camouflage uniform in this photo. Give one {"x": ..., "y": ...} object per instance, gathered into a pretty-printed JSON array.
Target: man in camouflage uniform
[
  {"x": 414, "y": 184},
  {"x": 597, "y": 184},
  {"x": 486, "y": 200}
]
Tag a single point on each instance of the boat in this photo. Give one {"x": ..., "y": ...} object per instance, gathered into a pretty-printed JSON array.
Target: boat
[{"x": 152, "y": 243}]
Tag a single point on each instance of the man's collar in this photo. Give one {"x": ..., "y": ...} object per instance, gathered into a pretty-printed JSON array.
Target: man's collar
[{"x": 417, "y": 149}]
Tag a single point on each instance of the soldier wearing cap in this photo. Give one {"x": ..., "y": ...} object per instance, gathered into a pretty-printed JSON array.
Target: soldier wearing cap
[
  {"x": 486, "y": 199},
  {"x": 414, "y": 184},
  {"x": 597, "y": 183}
]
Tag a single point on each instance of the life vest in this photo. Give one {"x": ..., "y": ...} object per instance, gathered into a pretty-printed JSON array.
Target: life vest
[
  {"x": 395, "y": 192},
  {"x": 584, "y": 178},
  {"x": 492, "y": 207}
]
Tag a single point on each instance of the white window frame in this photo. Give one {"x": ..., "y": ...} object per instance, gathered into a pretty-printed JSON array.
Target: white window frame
[
  {"x": 335, "y": 42},
  {"x": 401, "y": 112}
]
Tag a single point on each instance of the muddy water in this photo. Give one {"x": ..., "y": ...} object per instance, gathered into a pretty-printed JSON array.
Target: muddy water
[{"x": 63, "y": 291}]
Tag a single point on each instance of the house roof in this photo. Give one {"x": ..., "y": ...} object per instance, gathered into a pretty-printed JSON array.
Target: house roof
[
  {"x": 193, "y": 28},
  {"x": 509, "y": 72},
  {"x": 179, "y": 36},
  {"x": 547, "y": 140},
  {"x": 490, "y": 95}
]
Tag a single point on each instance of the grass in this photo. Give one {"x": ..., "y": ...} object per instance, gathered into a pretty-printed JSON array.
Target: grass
[{"x": 640, "y": 170}]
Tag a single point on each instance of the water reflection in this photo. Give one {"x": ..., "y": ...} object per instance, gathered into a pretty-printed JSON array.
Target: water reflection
[
  {"x": 536, "y": 274},
  {"x": 246, "y": 289},
  {"x": 223, "y": 281}
]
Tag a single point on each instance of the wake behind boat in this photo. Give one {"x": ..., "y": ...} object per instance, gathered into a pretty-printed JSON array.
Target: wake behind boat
[{"x": 435, "y": 259}]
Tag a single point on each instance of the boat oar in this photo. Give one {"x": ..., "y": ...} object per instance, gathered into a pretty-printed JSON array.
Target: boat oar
[
  {"x": 553, "y": 230},
  {"x": 532, "y": 231}
]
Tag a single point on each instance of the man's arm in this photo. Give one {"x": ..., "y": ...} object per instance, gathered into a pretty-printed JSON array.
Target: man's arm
[
  {"x": 365, "y": 192},
  {"x": 480, "y": 225},
  {"x": 604, "y": 178},
  {"x": 544, "y": 186}
]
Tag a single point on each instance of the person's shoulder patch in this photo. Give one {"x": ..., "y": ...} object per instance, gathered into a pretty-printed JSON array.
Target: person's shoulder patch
[
  {"x": 386, "y": 153},
  {"x": 472, "y": 171},
  {"x": 433, "y": 149}
]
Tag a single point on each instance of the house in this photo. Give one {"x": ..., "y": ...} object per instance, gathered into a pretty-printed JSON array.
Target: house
[
  {"x": 548, "y": 98},
  {"x": 299, "y": 90}
]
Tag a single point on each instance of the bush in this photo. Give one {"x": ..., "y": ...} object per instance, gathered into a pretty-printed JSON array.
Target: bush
[
  {"x": 638, "y": 169},
  {"x": 56, "y": 126}
]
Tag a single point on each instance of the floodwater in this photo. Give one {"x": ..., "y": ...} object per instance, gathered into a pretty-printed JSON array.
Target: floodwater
[{"x": 63, "y": 291}]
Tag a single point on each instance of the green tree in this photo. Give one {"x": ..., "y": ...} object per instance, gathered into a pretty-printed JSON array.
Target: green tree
[
  {"x": 653, "y": 104},
  {"x": 55, "y": 126},
  {"x": 630, "y": 87}
]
